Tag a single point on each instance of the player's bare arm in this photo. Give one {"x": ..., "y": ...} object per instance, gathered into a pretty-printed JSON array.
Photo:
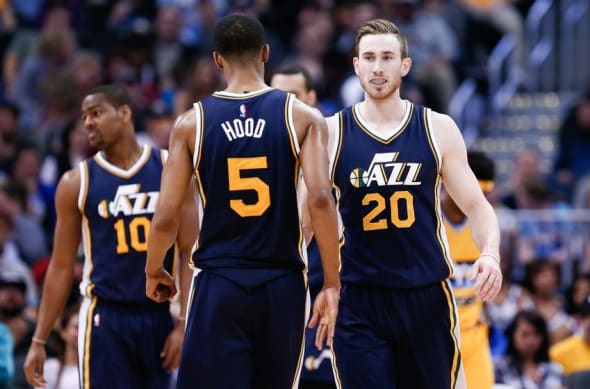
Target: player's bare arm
[
  {"x": 187, "y": 235},
  {"x": 60, "y": 274},
  {"x": 462, "y": 186},
  {"x": 312, "y": 133},
  {"x": 333, "y": 126},
  {"x": 176, "y": 177}
]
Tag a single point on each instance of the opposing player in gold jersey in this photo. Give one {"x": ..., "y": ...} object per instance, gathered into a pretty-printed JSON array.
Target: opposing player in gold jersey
[{"x": 475, "y": 349}]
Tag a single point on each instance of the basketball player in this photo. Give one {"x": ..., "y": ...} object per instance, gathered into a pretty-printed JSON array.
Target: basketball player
[
  {"x": 397, "y": 326},
  {"x": 125, "y": 339},
  {"x": 317, "y": 371},
  {"x": 246, "y": 145},
  {"x": 475, "y": 348}
]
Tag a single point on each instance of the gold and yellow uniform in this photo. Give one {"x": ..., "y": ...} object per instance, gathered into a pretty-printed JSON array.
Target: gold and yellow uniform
[
  {"x": 475, "y": 348},
  {"x": 573, "y": 354}
]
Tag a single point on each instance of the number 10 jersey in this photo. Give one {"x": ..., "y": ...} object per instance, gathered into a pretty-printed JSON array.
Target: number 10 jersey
[{"x": 117, "y": 206}]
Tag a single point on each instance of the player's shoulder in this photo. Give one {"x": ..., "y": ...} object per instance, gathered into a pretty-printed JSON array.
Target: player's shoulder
[
  {"x": 187, "y": 118},
  {"x": 69, "y": 184},
  {"x": 441, "y": 120}
]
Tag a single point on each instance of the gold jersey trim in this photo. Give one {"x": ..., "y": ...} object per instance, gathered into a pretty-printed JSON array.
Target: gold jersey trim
[
  {"x": 409, "y": 112},
  {"x": 124, "y": 173}
]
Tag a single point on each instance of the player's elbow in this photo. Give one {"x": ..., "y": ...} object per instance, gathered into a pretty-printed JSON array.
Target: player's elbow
[
  {"x": 320, "y": 199},
  {"x": 164, "y": 222}
]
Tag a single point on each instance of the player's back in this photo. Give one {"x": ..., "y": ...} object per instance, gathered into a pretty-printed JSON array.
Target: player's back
[
  {"x": 247, "y": 167},
  {"x": 117, "y": 207}
]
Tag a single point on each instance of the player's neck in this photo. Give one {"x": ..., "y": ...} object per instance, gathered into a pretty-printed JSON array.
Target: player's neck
[
  {"x": 123, "y": 154},
  {"x": 244, "y": 80},
  {"x": 389, "y": 111}
]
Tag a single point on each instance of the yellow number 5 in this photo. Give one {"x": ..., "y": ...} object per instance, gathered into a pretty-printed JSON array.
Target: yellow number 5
[{"x": 237, "y": 182}]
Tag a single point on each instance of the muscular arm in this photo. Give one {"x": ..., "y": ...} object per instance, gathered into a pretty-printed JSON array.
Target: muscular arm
[
  {"x": 187, "y": 235},
  {"x": 60, "y": 274},
  {"x": 312, "y": 133},
  {"x": 176, "y": 177},
  {"x": 462, "y": 186}
]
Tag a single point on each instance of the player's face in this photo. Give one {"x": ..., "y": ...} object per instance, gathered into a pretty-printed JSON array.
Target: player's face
[
  {"x": 293, "y": 83},
  {"x": 102, "y": 121},
  {"x": 379, "y": 65}
]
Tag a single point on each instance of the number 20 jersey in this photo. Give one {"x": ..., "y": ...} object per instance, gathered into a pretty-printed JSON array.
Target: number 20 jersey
[
  {"x": 117, "y": 206},
  {"x": 247, "y": 167},
  {"x": 388, "y": 193}
]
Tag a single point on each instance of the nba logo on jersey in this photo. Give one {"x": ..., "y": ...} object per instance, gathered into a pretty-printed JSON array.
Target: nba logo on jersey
[{"x": 243, "y": 111}]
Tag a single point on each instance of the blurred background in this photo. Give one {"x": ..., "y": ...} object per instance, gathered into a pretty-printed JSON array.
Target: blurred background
[{"x": 514, "y": 74}]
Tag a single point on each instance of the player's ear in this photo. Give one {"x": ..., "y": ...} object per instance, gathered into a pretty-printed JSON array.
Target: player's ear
[
  {"x": 218, "y": 59},
  {"x": 355, "y": 64},
  {"x": 312, "y": 97},
  {"x": 125, "y": 111},
  {"x": 265, "y": 53},
  {"x": 406, "y": 66}
]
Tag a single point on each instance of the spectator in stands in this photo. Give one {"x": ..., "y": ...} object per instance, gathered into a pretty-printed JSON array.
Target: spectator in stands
[
  {"x": 543, "y": 280},
  {"x": 511, "y": 299},
  {"x": 544, "y": 233},
  {"x": 435, "y": 49},
  {"x": 73, "y": 148},
  {"x": 26, "y": 236},
  {"x": 573, "y": 353},
  {"x": 61, "y": 372},
  {"x": 504, "y": 17},
  {"x": 11, "y": 263},
  {"x": 9, "y": 135},
  {"x": 13, "y": 289},
  {"x": 576, "y": 296},
  {"x": 526, "y": 364},
  {"x": 201, "y": 79},
  {"x": 55, "y": 48},
  {"x": 40, "y": 198},
  {"x": 572, "y": 162},
  {"x": 158, "y": 124},
  {"x": 527, "y": 165}
]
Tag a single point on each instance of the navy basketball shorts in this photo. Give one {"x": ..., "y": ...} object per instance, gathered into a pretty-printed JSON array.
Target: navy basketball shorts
[
  {"x": 239, "y": 337},
  {"x": 397, "y": 338},
  {"x": 119, "y": 344}
]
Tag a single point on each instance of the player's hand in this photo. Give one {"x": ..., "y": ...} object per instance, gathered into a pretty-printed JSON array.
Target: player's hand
[
  {"x": 160, "y": 285},
  {"x": 487, "y": 276},
  {"x": 325, "y": 311},
  {"x": 33, "y": 365},
  {"x": 171, "y": 352}
]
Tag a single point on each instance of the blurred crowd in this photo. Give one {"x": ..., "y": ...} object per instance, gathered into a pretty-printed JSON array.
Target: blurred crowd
[{"x": 53, "y": 52}]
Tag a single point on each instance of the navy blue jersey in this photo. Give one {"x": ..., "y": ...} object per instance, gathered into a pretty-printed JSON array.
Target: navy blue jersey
[
  {"x": 117, "y": 207},
  {"x": 247, "y": 167},
  {"x": 389, "y": 203}
]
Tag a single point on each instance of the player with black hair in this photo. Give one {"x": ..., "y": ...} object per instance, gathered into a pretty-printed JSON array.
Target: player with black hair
[{"x": 247, "y": 146}]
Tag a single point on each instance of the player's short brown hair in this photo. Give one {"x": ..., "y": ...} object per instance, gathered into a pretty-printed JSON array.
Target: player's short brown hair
[{"x": 381, "y": 26}]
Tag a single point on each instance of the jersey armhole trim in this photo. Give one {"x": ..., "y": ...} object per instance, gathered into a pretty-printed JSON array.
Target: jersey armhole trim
[
  {"x": 83, "y": 192},
  {"x": 163, "y": 156},
  {"x": 291, "y": 124},
  {"x": 427, "y": 116},
  {"x": 198, "y": 108},
  {"x": 334, "y": 154}
]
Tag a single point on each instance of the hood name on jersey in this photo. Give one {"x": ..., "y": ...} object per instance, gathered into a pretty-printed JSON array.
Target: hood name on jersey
[
  {"x": 238, "y": 128},
  {"x": 129, "y": 201},
  {"x": 385, "y": 171}
]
